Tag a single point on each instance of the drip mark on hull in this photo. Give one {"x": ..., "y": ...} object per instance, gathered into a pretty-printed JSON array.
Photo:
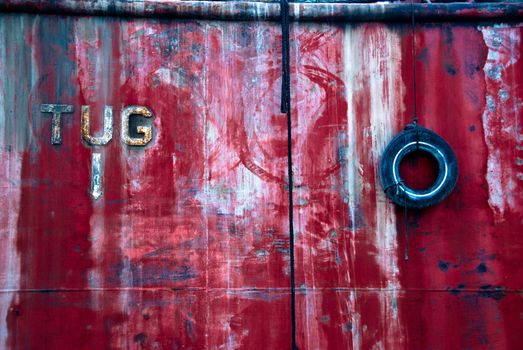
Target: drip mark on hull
[{"x": 96, "y": 173}]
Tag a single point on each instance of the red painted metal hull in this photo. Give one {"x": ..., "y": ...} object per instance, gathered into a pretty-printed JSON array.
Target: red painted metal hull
[{"x": 188, "y": 247}]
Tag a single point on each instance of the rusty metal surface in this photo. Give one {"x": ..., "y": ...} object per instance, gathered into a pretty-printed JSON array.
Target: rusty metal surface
[
  {"x": 187, "y": 245},
  {"x": 270, "y": 10}
]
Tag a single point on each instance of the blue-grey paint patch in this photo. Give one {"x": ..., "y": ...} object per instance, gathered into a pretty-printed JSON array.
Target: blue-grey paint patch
[
  {"x": 159, "y": 252},
  {"x": 481, "y": 268},
  {"x": 262, "y": 253},
  {"x": 15, "y": 128},
  {"x": 497, "y": 40},
  {"x": 451, "y": 69},
  {"x": 492, "y": 292},
  {"x": 494, "y": 71},
  {"x": 151, "y": 274},
  {"x": 141, "y": 339},
  {"x": 258, "y": 294},
  {"x": 503, "y": 95},
  {"x": 189, "y": 328},
  {"x": 443, "y": 265},
  {"x": 491, "y": 103},
  {"x": 302, "y": 202},
  {"x": 457, "y": 290},
  {"x": 394, "y": 303}
]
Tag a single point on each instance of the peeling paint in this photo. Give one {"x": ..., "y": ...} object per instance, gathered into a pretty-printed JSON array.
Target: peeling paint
[
  {"x": 500, "y": 123},
  {"x": 188, "y": 247}
]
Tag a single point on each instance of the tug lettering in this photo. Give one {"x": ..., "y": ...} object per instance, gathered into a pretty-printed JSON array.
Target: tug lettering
[{"x": 58, "y": 110}]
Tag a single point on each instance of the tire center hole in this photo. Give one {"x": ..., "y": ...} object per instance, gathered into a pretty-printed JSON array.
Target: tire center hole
[{"x": 419, "y": 170}]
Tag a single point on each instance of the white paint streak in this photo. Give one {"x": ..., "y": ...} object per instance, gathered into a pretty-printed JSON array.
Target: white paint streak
[
  {"x": 386, "y": 94},
  {"x": 93, "y": 71},
  {"x": 10, "y": 193},
  {"x": 97, "y": 238},
  {"x": 230, "y": 189},
  {"x": 355, "y": 320},
  {"x": 373, "y": 68},
  {"x": 352, "y": 170}
]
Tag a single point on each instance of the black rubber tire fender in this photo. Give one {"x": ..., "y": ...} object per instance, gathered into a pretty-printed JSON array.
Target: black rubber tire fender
[{"x": 416, "y": 138}]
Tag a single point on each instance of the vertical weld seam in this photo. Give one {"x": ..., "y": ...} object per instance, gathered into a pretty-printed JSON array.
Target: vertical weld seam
[{"x": 285, "y": 108}]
